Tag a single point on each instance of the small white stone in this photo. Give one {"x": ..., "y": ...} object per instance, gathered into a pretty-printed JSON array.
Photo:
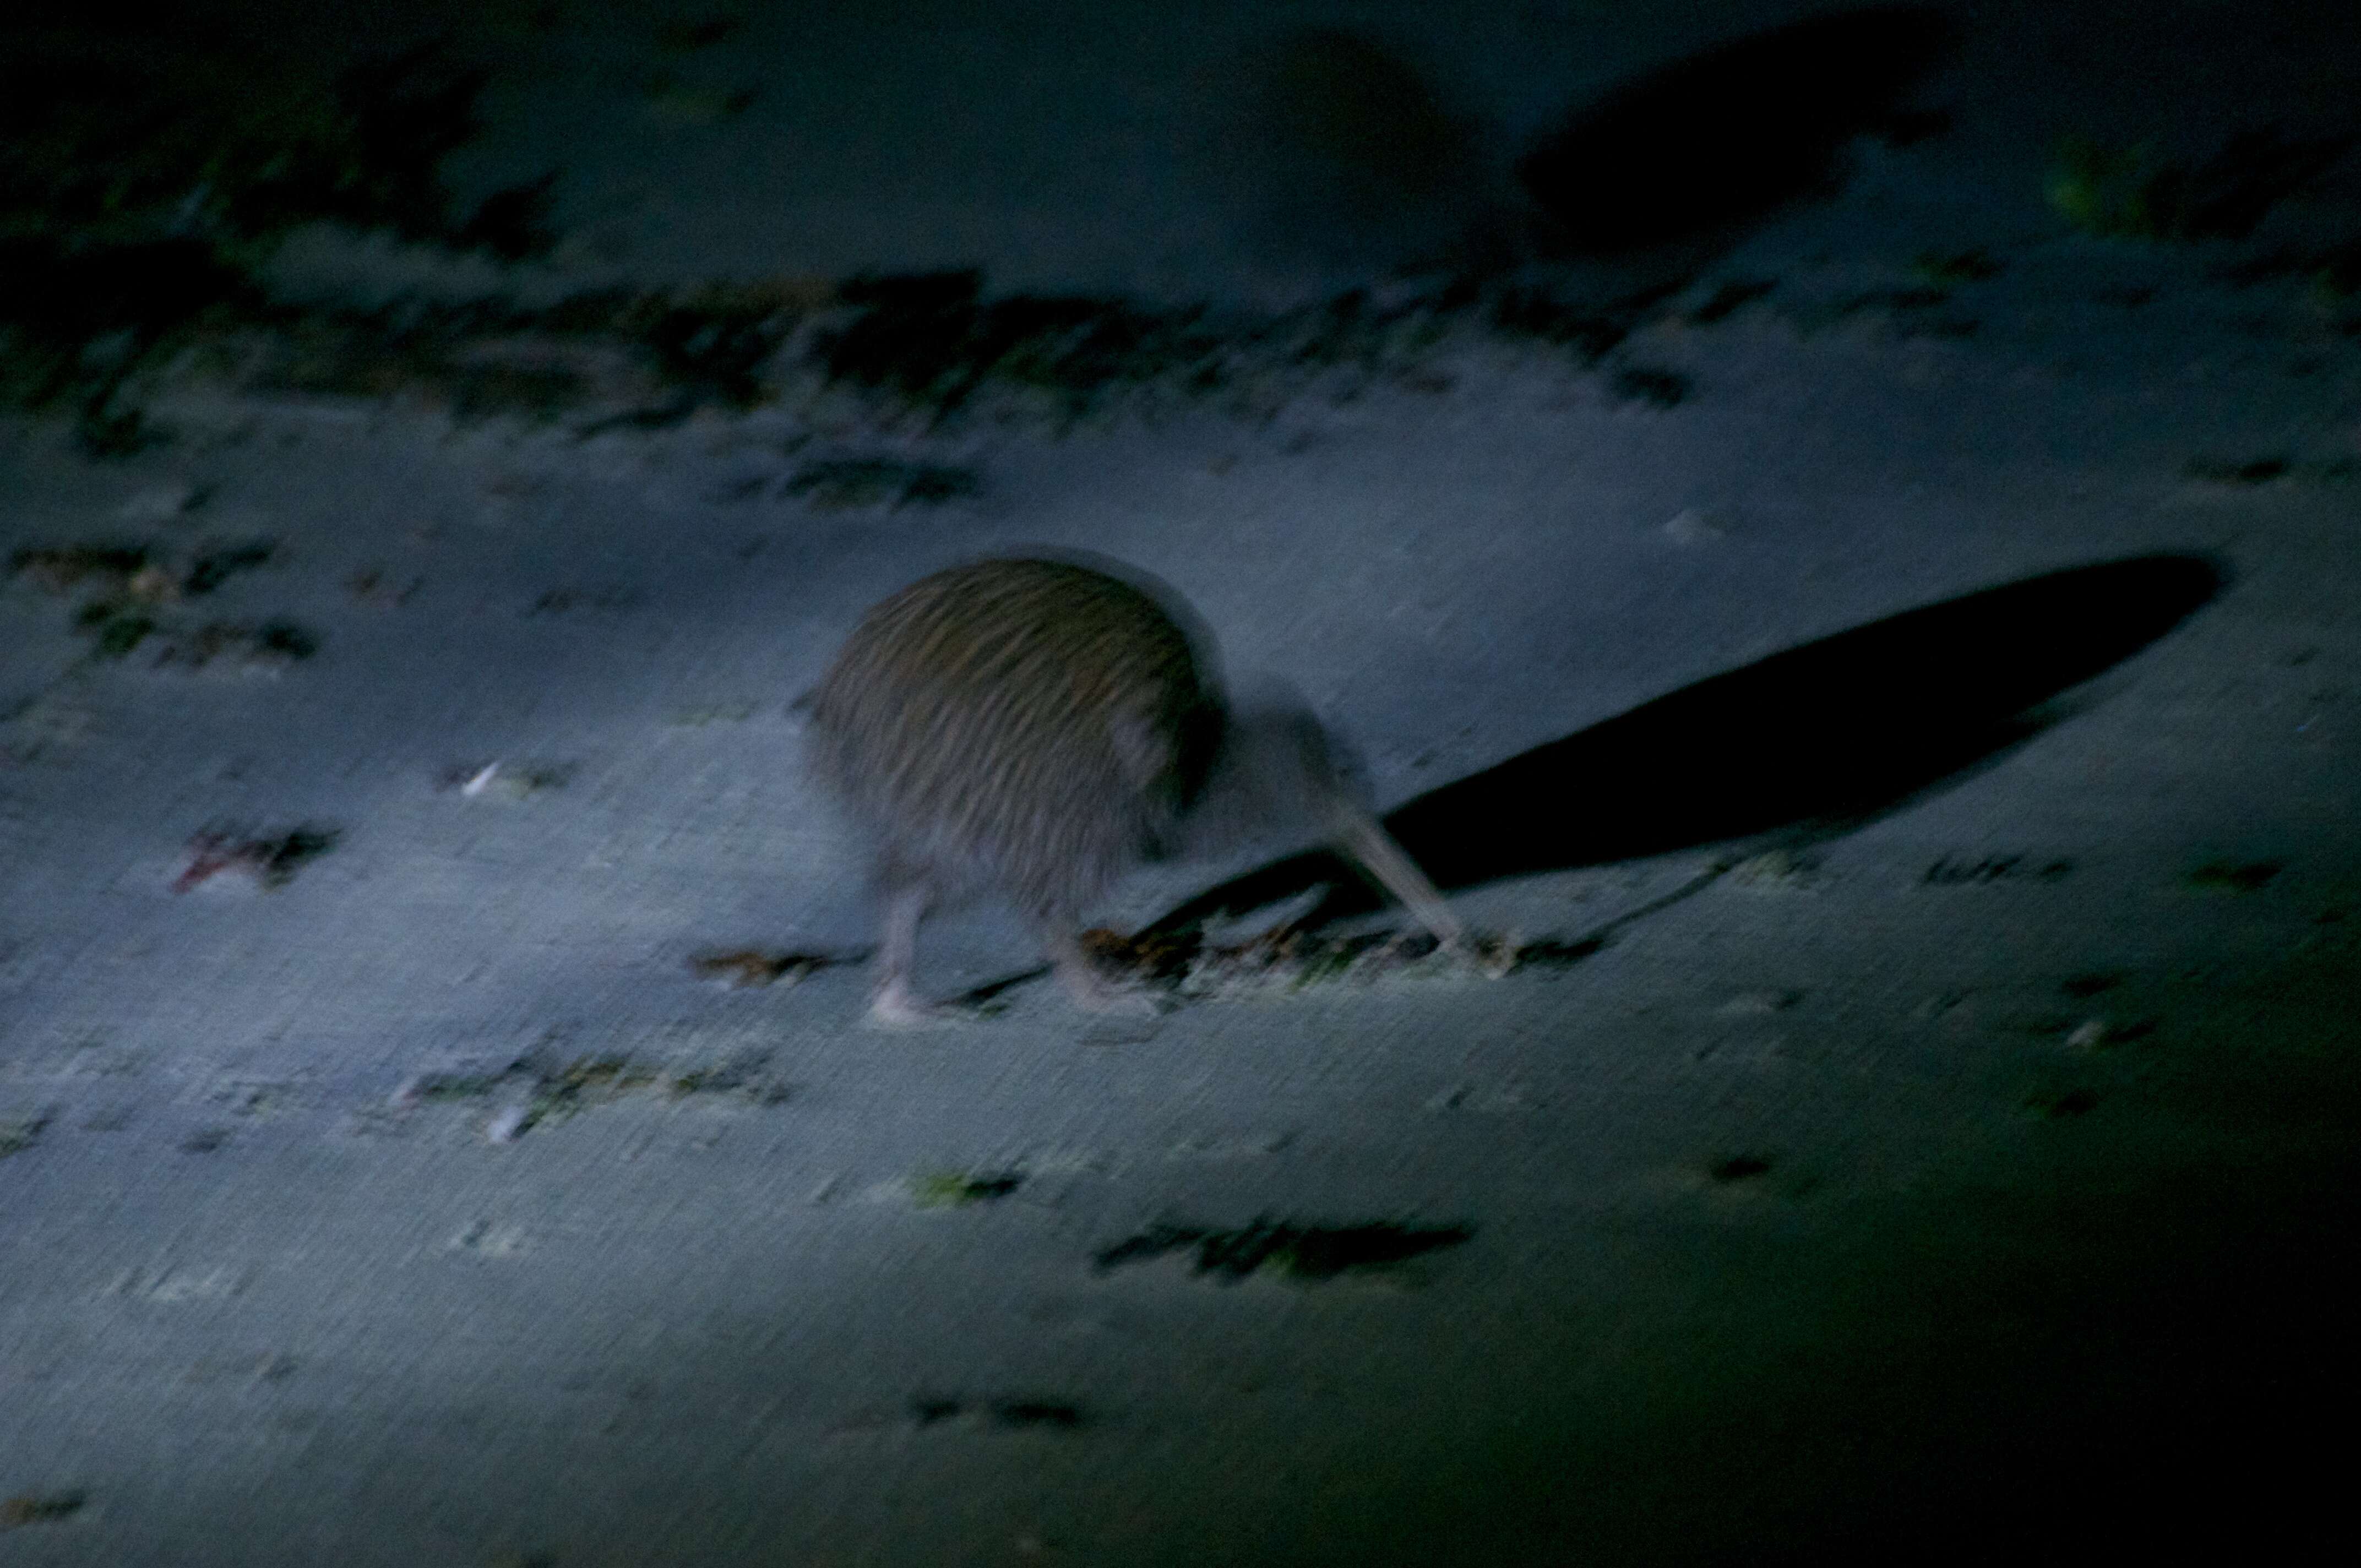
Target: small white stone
[
  {"x": 160, "y": 503},
  {"x": 1690, "y": 526}
]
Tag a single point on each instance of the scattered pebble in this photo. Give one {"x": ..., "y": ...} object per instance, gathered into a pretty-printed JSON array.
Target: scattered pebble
[{"x": 152, "y": 585}]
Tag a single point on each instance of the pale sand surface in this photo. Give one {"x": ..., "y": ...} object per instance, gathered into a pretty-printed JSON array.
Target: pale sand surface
[{"x": 1947, "y": 1145}]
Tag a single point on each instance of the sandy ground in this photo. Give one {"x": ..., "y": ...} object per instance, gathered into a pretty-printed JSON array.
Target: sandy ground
[{"x": 1925, "y": 1122}]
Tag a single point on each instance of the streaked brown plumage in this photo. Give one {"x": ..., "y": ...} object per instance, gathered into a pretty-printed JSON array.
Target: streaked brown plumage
[{"x": 1037, "y": 727}]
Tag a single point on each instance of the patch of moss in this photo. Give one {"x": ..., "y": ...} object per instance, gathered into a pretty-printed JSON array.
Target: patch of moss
[
  {"x": 215, "y": 567},
  {"x": 1657, "y": 388},
  {"x": 1022, "y": 1413},
  {"x": 1304, "y": 1253},
  {"x": 957, "y": 1190},
  {"x": 750, "y": 966},
  {"x": 932, "y": 341},
  {"x": 2118, "y": 191},
  {"x": 563, "y": 1091},
  {"x": 1740, "y": 1168},
  {"x": 1730, "y": 298},
  {"x": 1178, "y": 960},
  {"x": 272, "y": 859},
  {"x": 117, "y": 145},
  {"x": 687, "y": 36},
  {"x": 115, "y": 628},
  {"x": 554, "y": 1091},
  {"x": 1017, "y": 1414},
  {"x": 271, "y": 644},
  {"x": 2063, "y": 1106},
  {"x": 40, "y": 1508},
  {"x": 22, "y": 1133},
  {"x": 456, "y": 1085},
  {"x": 1536, "y": 312},
  {"x": 285, "y": 639},
  {"x": 1949, "y": 872},
  {"x": 140, "y": 186},
  {"x": 59, "y": 568},
  {"x": 845, "y": 483},
  {"x": 2226, "y": 876},
  {"x": 1944, "y": 269},
  {"x": 2251, "y": 471}
]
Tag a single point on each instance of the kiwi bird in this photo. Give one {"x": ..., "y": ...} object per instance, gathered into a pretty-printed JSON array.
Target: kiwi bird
[{"x": 1039, "y": 728}]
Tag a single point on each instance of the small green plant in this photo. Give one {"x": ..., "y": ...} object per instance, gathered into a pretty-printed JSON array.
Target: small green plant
[
  {"x": 2104, "y": 189},
  {"x": 1946, "y": 270},
  {"x": 2117, "y": 190}
]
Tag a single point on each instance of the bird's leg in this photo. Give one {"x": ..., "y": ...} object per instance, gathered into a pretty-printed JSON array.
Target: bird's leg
[
  {"x": 892, "y": 1004},
  {"x": 1361, "y": 835}
]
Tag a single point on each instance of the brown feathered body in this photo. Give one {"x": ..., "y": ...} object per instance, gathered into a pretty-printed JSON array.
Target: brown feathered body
[
  {"x": 1033, "y": 727},
  {"x": 1037, "y": 727}
]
